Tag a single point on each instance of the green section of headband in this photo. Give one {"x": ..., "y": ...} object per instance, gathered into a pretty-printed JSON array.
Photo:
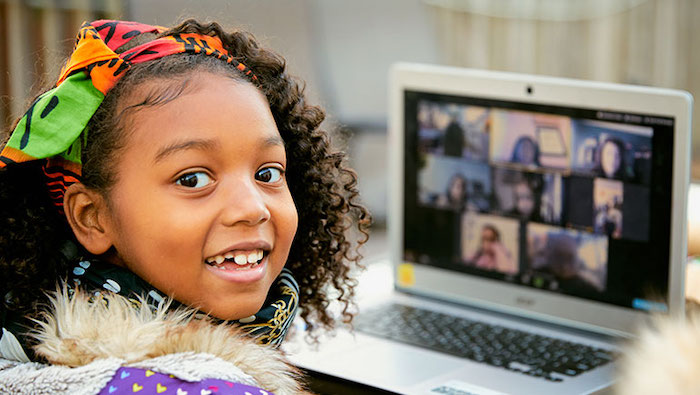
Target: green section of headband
[{"x": 67, "y": 108}]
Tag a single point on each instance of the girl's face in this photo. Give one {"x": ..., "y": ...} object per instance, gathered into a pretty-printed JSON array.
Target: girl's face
[{"x": 201, "y": 209}]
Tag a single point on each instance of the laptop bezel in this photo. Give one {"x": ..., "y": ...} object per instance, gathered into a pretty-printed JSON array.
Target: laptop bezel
[{"x": 516, "y": 299}]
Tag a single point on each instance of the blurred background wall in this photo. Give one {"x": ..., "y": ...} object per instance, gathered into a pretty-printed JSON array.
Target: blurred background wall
[{"x": 343, "y": 49}]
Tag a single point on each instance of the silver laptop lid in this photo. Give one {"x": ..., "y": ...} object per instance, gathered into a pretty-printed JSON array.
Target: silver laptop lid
[{"x": 556, "y": 199}]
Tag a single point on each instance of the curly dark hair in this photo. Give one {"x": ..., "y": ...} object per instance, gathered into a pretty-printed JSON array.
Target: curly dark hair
[{"x": 324, "y": 189}]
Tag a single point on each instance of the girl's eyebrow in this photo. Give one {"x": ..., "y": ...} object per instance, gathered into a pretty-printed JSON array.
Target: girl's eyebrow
[
  {"x": 274, "y": 140},
  {"x": 204, "y": 145},
  {"x": 200, "y": 144}
]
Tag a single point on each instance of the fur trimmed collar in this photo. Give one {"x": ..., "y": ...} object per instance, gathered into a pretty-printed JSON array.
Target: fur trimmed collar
[
  {"x": 76, "y": 331},
  {"x": 663, "y": 359}
]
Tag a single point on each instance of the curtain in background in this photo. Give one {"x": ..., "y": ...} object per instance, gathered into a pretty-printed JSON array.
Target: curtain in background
[{"x": 647, "y": 42}]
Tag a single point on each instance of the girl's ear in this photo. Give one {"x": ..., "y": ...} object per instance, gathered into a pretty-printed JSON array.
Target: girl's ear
[{"x": 88, "y": 215}]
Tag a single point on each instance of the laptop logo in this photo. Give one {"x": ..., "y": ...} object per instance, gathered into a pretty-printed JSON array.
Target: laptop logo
[{"x": 523, "y": 301}]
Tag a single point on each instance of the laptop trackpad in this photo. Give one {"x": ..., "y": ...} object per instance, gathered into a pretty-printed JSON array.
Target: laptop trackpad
[{"x": 392, "y": 364}]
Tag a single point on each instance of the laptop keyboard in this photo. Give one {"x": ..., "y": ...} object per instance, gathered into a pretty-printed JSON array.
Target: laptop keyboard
[{"x": 531, "y": 354}]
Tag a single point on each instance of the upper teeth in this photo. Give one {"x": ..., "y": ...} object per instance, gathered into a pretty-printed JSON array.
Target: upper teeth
[{"x": 238, "y": 257}]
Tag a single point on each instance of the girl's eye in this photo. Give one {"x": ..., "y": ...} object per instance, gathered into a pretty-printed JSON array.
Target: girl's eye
[
  {"x": 197, "y": 179},
  {"x": 269, "y": 175}
]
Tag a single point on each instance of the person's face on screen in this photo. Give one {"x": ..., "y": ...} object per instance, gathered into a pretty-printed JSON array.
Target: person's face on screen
[
  {"x": 526, "y": 152},
  {"x": 610, "y": 158},
  {"x": 561, "y": 255},
  {"x": 457, "y": 189},
  {"x": 488, "y": 240},
  {"x": 524, "y": 199}
]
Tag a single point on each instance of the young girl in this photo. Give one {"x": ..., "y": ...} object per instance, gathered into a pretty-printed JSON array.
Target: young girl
[{"x": 174, "y": 181}]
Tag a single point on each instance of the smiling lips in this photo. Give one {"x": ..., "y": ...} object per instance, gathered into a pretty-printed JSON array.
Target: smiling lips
[{"x": 243, "y": 259}]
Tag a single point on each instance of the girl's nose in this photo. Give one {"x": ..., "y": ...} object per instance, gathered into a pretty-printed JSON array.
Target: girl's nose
[{"x": 245, "y": 204}]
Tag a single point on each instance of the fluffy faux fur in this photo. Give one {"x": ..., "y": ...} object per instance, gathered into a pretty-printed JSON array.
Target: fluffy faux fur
[
  {"x": 76, "y": 331},
  {"x": 664, "y": 359}
]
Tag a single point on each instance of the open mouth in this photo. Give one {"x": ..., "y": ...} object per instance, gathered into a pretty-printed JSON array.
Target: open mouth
[{"x": 237, "y": 260}]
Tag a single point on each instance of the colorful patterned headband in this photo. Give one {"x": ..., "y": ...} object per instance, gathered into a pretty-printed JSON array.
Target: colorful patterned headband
[{"x": 53, "y": 129}]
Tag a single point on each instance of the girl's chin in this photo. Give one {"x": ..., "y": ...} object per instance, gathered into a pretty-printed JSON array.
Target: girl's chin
[{"x": 237, "y": 313}]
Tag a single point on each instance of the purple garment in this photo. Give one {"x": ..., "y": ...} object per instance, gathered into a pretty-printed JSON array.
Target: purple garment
[{"x": 146, "y": 382}]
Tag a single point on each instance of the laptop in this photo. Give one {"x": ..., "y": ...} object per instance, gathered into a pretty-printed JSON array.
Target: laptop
[{"x": 538, "y": 221}]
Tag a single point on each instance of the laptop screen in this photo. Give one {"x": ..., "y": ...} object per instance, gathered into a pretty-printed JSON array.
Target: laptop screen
[{"x": 573, "y": 201}]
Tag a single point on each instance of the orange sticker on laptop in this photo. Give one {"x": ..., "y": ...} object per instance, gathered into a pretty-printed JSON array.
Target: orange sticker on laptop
[{"x": 405, "y": 275}]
